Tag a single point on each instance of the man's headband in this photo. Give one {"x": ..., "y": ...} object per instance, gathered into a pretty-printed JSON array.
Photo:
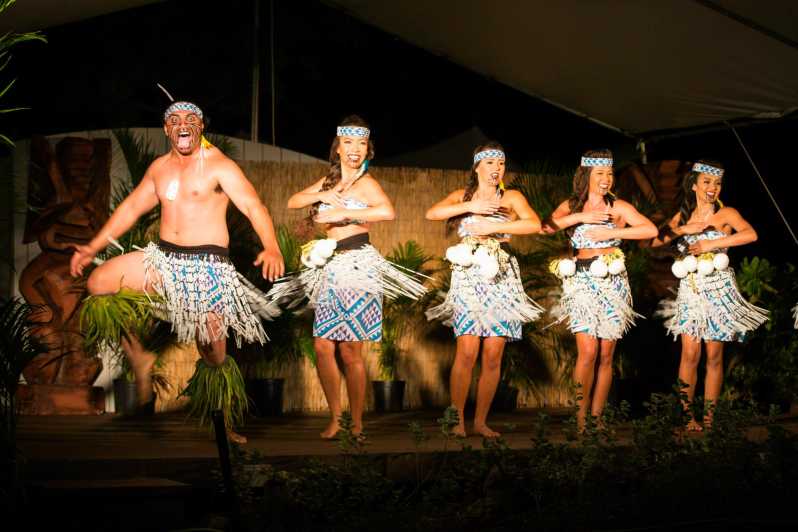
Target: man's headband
[
  {"x": 182, "y": 106},
  {"x": 702, "y": 168},
  {"x": 596, "y": 161},
  {"x": 488, "y": 154},
  {"x": 353, "y": 131}
]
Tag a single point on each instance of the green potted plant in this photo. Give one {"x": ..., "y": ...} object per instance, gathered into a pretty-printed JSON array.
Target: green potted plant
[{"x": 398, "y": 314}]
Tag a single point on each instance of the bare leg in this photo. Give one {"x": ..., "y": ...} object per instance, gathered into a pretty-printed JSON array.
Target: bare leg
[
  {"x": 214, "y": 354},
  {"x": 141, "y": 363},
  {"x": 355, "y": 372},
  {"x": 587, "y": 348},
  {"x": 330, "y": 382},
  {"x": 714, "y": 378},
  {"x": 604, "y": 377},
  {"x": 492, "y": 350},
  {"x": 123, "y": 271},
  {"x": 688, "y": 373},
  {"x": 460, "y": 378}
]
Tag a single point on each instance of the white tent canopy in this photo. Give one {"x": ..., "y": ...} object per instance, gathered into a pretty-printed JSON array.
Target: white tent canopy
[{"x": 635, "y": 66}]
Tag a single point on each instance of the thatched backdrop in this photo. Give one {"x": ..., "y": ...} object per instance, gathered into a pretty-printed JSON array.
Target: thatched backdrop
[{"x": 429, "y": 348}]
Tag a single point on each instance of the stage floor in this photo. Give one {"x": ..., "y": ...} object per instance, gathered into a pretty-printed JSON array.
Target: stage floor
[{"x": 61, "y": 447}]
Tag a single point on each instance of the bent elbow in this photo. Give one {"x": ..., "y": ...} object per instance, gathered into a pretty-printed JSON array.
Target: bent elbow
[
  {"x": 754, "y": 236},
  {"x": 390, "y": 214}
]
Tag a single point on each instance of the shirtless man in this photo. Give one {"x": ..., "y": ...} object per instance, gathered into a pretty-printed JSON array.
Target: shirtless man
[{"x": 189, "y": 267}]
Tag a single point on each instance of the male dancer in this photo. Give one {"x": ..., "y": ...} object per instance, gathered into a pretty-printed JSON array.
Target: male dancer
[{"x": 189, "y": 268}]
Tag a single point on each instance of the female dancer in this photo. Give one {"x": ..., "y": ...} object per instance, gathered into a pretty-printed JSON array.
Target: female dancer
[
  {"x": 708, "y": 306},
  {"x": 345, "y": 278},
  {"x": 486, "y": 298},
  {"x": 596, "y": 297}
]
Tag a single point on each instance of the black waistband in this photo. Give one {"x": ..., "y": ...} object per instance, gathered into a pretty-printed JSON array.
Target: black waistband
[
  {"x": 584, "y": 264},
  {"x": 353, "y": 242},
  {"x": 207, "y": 249}
]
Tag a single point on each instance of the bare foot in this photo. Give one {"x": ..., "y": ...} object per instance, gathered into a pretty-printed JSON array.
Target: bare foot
[
  {"x": 331, "y": 431},
  {"x": 694, "y": 426},
  {"x": 236, "y": 437},
  {"x": 459, "y": 431},
  {"x": 485, "y": 431}
]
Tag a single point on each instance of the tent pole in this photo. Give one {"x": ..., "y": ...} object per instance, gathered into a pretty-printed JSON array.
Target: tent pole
[
  {"x": 762, "y": 180},
  {"x": 255, "y": 109},
  {"x": 272, "y": 72}
]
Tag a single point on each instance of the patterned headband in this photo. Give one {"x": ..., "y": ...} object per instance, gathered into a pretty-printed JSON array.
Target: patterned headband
[
  {"x": 488, "y": 154},
  {"x": 702, "y": 168},
  {"x": 353, "y": 131},
  {"x": 596, "y": 161},
  {"x": 182, "y": 106}
]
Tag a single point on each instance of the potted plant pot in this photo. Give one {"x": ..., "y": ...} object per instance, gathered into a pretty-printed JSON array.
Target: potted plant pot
[
  {"x": 125, "y": 400},
  {"x": 389, "y": 396},
  {"x": 266, "y": 396}
]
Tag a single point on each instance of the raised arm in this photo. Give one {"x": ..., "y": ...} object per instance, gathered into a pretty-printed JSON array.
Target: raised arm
[
  {"x": 638, "y": 227},
  {"x": 313, "y": 194},
  {"x": 563, "y": 218},
  {"x": 453, "y": 205},
  {"x": 245, "y": 198},
  {"x": 141, "y": 200}
]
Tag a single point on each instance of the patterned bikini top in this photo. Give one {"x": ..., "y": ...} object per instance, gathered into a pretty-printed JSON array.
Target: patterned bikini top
[
  {"x": 710, "y": 234},
  {"x": 580, "y": 241},
  {"x": 462, "y": 229},
  {"x": 350, "y": 204}
]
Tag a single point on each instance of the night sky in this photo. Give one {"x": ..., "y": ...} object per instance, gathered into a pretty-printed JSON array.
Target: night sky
[{"x": 101, "y": 73}]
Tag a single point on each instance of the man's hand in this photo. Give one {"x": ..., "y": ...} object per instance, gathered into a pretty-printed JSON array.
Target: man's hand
[
  {"x": 80, "y": 259},
  {"x": 332, "y": 216},
  {"x": 271, "y": 260}
]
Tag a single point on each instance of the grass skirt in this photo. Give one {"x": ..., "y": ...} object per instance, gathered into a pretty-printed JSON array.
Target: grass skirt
[
  {"x": 711, "y": 307},
  {"x": 217, "y": 388},
  {"x": 598, "y": 306},
  {"x": 480, "y": 307},
  {"x": 204, "y": 296}
]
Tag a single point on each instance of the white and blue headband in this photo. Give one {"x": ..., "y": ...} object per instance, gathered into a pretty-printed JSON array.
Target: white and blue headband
[
  {"x": 182, "y": 106},
  {"x": 596, "y": 161},
  {"x": 353, "y": 131},
  {"x": 703, "y": 168},
  {"x": 488, "y": 154}
]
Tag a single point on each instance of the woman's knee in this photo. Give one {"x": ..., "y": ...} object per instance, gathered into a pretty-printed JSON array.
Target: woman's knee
[{"x": 714, "y": 359}]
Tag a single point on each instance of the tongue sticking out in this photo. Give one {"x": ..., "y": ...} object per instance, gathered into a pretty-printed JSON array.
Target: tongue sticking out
[{"x": 184, "y": 143}]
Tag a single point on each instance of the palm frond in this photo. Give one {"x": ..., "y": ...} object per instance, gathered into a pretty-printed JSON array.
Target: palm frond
[{"x": 18, "y": 346}]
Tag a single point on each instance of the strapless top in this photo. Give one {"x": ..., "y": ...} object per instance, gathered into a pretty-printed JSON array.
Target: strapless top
[
  {"x": 462, "y": 229},
  {"x": 580, "y": 241},
  {"x": 350, "y": 204},
  {"x": 711, "y": 234}
]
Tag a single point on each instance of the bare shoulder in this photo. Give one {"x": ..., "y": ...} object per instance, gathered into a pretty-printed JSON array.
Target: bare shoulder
[
  {"x": 514, "y": 195},
  {"x": 563, "y": 209}
]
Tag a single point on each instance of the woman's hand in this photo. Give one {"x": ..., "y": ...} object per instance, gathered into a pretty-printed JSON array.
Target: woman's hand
[
  {"x": 701, "y": 246},
  {"x": 331, "y": 197},
  {"x": 332, "y": 216},
  {"x": 482, "y": 227},
  {"x": 600, "y": 234},
  {"x": 595, "y": 217},
  {"x": 481, "y": 206},
  {"x": 692, "y": 228}
]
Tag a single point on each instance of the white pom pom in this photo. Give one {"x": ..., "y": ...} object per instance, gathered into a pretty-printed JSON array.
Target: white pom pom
[
  {"x": 315, "y": 258},
  {"x": 690, "y": 263},
  {"x": 481, "y": 254},
  {"x": 705, "y": 267},
  {"x": 489, "y": 268},
  {"x": 305, "y": 258},
  {"x": 460, "y": 255},
  {"x": 325, "y": 248},
  {"x": 721, "y": 261},
  {"x": 598, "y": 268},
  {"x": 617, "y": 266},
  {"x": 566, "y": 267},
  {"x": 679, "y": 269}
]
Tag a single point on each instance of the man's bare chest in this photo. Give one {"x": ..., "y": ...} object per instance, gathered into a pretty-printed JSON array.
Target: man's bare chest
[{"x": 175, "y": 184}]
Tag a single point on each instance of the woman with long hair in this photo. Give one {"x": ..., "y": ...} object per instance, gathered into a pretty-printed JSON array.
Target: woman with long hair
[
  {"x": 596, "y": 299},
  {"x": 708, "y": 308},
  {"x": 486, "y": 303},
  {"x": 345, "y": 277}
]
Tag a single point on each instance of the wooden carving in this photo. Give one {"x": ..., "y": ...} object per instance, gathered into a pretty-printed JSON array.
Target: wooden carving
[{"x": 68, "y": 192}]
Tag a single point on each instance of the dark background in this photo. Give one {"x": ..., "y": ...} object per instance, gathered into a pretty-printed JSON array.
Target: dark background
[{"x": 101, "y": 73}]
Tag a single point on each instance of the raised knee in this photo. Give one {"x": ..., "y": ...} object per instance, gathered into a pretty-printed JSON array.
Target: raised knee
[{"x": 100, "y": 283}]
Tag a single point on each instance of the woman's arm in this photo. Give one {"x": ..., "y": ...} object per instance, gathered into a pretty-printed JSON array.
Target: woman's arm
[
  {"x": 743, "y": 234},
  {"x": 313, "y": 194},
  {"x": 453, "y": 205},
  {"x": 563, "y": 218},
  {"x": 638, "y": 227},
  {"x": 380, "y": 208},
  {"x": 528, "y": 221}
]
